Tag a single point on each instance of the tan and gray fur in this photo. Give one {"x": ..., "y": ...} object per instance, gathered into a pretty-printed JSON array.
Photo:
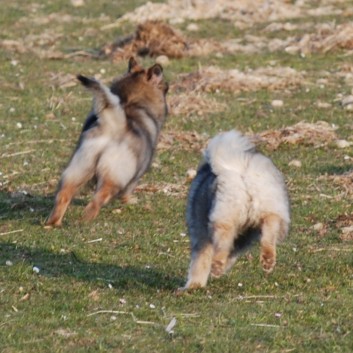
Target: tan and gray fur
[
  {"x": 237, "y": 196},
  {"x": 118, "y": 139}
]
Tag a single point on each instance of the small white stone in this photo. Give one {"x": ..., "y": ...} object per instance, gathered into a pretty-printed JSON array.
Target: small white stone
[
  {"x": 192, "y": 27},
  {"x": 323, "y": 105},
  {"x": 152, "y": 306},
  {"x": 277, "y": 103},
  {"x": 77, "y": 3},
  {"x": 295, "y": 163},
  {"x": 348, "y": 100},
  {"x": 163, "y": 60},
  {"x": 35, "y": 269},
  {"x": 190, "y": 174},
  {"x": 292, "y": 50},
  {"x": 240, "y": 284},
  {"x": 9, "y": 263},
  {"x": 19, "y": 125},
  {"x": 318, "y": 226},
  {"x": 343, "y": 143}
]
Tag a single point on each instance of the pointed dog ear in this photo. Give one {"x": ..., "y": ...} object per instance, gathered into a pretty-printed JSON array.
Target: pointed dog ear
[
  {"x": 155, "y": 74},
  {"x": 132, "y": 64}
]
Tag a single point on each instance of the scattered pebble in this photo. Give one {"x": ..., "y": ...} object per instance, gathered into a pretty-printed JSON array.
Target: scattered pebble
[
  {"x": 318, "y": 226},
  {"x": 9, "y": 263},
  {"x": 192, "y": 27},
  {"x": 278, "y": 315},
  {"x": 19, "y": 125},
  {"x": 240, "y": 284},
  {"x": 295, "y": 163},
  {"x": 77, "y": 3},
  {"x": 190, "y": 174},
  {"x": 163, "y": 60},
  {"x": 35, "y": 269},
  {"x": 323, "y": 105},
  {"x": 343, "y": 143},
  {"x": 152, "y": 306},
  {"x": 183, "y": 234},
  {"x": 347, "y": 102},
  {"x": 277, "y": 103}
]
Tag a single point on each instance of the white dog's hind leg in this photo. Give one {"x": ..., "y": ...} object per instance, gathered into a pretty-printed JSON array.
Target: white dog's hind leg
[
  {"x": 273, "y": 228},
  {"x": 200, "y": 267}
]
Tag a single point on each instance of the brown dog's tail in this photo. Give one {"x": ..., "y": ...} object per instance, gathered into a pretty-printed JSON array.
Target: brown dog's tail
[{"x": 103, "y": 97}]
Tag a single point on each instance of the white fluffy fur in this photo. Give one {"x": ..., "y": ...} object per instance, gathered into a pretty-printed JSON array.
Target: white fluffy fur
[{"x": 250, "y": 180}]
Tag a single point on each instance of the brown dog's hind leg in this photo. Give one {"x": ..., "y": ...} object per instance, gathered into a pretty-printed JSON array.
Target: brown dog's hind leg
[
  {"x": 62, "y": 200},
  {"x": 105, "y": 192}
]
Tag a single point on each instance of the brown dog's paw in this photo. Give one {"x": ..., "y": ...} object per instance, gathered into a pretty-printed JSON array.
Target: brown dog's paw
[{"x": 52, "y": 222}]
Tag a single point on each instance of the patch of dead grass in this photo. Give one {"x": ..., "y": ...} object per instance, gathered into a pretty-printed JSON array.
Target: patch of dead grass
[
  {"x": 310, "y": 134},
  {"x": 194, "y": 103},
  {"x": 243, "y": 13},
  {"x": 212, "y": 78}
]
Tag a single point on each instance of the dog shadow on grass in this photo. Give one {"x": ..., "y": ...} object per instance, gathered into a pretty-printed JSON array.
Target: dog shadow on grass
[
  {"x": 51, "y": 264},
  {"x": 23, "y": 205}
]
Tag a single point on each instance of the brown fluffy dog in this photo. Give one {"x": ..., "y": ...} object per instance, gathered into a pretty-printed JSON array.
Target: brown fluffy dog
[{"x": 118, "y": 139}]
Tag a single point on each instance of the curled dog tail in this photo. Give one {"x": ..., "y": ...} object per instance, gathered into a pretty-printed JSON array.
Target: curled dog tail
[
  {"x": 103, "y": 97},
  {"x": 228, "y": 151}
]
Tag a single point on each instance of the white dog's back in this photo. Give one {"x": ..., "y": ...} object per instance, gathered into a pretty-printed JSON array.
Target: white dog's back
[{"x": 251, "y": 179}]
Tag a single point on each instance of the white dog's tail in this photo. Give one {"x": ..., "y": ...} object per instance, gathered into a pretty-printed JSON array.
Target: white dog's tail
[
  {"x": 228, "y": 151},
  {"x": 104, "y": 100}
]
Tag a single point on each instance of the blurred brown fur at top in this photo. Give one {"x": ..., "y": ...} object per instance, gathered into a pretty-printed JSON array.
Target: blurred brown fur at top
[
  {"x": 118, "y": 139},
  {"x": 152, "y": 38}
]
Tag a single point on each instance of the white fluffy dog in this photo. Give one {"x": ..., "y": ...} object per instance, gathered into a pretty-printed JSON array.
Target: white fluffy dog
[{"x": 237, "y": 196}]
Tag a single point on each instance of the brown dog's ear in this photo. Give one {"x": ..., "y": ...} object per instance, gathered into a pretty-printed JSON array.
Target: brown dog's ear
[
  {"x": 155, "y": 74},
  {"x": 132, "y": 64}
]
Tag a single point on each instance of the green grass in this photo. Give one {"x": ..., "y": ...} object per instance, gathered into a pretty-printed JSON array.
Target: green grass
[{"x": 109, "y": 286}]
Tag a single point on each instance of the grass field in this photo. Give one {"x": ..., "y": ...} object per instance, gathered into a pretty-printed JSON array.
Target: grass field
[{"x": 109, "y": 286}]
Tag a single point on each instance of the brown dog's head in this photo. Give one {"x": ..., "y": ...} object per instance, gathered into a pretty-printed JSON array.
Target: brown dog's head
[{"x": 143, "y": 87}]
